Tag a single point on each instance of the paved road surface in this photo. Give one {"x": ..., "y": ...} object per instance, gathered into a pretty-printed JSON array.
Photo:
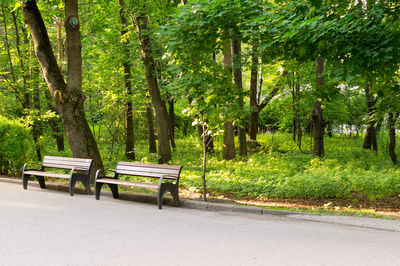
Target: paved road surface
[{"x": 44, "y": 227}]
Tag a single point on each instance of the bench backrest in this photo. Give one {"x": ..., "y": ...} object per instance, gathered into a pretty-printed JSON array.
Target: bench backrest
[
  {"x": 67, "y": 163},
  {"x": 148, "y": 170}
]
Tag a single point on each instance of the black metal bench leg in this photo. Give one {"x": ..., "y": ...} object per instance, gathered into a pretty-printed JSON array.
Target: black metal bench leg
[
  {"x": 86, "y": 183},
  {"x": 25, "y": 181},
  {"x": 173, "y": 189},
  {"x": 114, "y": 190},
  {"x": 72, "y": 182},
  {"x": 84, "y": 180},
  {"x": 175, "y": 195},
  {"x": 40, "y": 179},
  {"x": 160, "y": 196},
  {"x": 97, "y": 188}
]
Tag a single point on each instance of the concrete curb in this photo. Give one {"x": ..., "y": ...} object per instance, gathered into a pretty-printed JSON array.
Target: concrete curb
[{"x": 185, "y": 203}]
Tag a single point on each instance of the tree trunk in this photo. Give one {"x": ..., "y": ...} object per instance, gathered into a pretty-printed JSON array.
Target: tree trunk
[
  {"x": 55, "y": 123},
  {"x": 299, "y": 133},
  {"x": 392, "y": 136},
  {"x": 37, "y": 127},
  {"x": 170, "y": 129},
  {"x": 69, "y": 99},
  {"x": 317, "y": 114},
  {"x": 253, "y": 126},
  {"x": 229, "y": 144},
  {"x": 204, "y": 138},
  {"x": 237, "y": 76},
  {"x": 254, "y": 113},
  {"x": 370, "y": 135},
  {"x": 294, "y": 106},
  {"x": 171, "y": 114},
  {"x": 229, "y": 137},
  {"x": 159, "y": 109},
  {"x": 150, "y": 129},
  {"x": 129, "y": 135}
]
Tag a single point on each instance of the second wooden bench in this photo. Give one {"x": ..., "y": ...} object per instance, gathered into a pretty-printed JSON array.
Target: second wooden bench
[{"x": 158, "y": 171}]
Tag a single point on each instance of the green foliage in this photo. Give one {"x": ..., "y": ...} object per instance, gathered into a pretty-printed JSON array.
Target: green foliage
[{"x": 16, "y": 146}]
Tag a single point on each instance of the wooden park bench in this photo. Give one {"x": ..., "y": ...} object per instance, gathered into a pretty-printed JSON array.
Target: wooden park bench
[
  {"x": 79, "y": 170},
  {"x": 157, "y": 171}
]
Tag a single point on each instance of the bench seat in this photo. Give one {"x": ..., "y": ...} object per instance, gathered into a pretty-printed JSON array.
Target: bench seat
[
  {"x": 126, "y": 183},
  {"x": 47, "y": 174},
  {"x": 167, "y": 175}
]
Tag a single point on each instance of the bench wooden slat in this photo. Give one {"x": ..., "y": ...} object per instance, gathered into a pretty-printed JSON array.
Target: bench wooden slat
[
  {"x": 158, "y": 166},
  {"x": 170, "y": 172},
  {"x": 126, "y": 183},
  {"x": 67, "y": 163},
  {"x": 66, "y": 159},
  {"x": 46, "y": 174},
  {"x": 66, "y": 166},
  {"x": 144, "y": 174}
]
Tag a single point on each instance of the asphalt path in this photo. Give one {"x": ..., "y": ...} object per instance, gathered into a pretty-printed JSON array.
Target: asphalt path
[{"x": 45, "y": 227}]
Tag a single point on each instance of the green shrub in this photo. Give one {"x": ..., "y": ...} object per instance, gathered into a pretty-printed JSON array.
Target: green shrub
[{"x": 16, "y": 145}]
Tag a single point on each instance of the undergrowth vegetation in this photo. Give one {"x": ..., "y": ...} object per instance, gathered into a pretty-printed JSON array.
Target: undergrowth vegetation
[{"x": 279, "y": 170}]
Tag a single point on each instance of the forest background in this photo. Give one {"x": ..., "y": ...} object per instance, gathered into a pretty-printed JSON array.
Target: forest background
[{"x": 261, "y": 99}]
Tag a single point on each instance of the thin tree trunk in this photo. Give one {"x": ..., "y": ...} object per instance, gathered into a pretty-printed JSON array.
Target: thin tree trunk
[
  {"x": 370, "y": 135},
  {"x": 129, "y": 134},
  {"x": 150, "y": 129},
  {"x": 159, "y": 109},
  {"x": 69, "y": 99},
  {"x": 237, "y": 76},
  {"x": 171, "y": 114},
  {"x": 254, "y": 113},
  {"x": 299, "y": 133},
  {"x": 205, "y": 144},
  {"x": 36, "y": 129},
  {"x": 170, "y": 128},
  {"x": 229, "y": 137},
  {"x": 294, "y": 107},
  {"x": 392, "y": 136},
  {"x": 316, "y": 113}
]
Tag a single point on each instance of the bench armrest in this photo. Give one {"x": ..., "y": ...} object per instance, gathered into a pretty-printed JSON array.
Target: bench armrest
[
  {"x": 98, "y": 174},
  {"x": 31, "y": 163}
]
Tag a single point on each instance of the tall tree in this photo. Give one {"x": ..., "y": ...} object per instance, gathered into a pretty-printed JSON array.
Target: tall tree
[
  {"x": 237, "y": 76},
  {"x": 129, "y": 137},
  {"x": 160, "y": 112},
  {"x": 229, "y": 137},
  {"x": 317, "y": 113},
  {"x": 68, "y": 96},
  {"x": 370, "y": 135}
]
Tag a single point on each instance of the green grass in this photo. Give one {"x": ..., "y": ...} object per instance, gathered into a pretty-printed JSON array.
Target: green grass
[{"x": 280, "y": 170}]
